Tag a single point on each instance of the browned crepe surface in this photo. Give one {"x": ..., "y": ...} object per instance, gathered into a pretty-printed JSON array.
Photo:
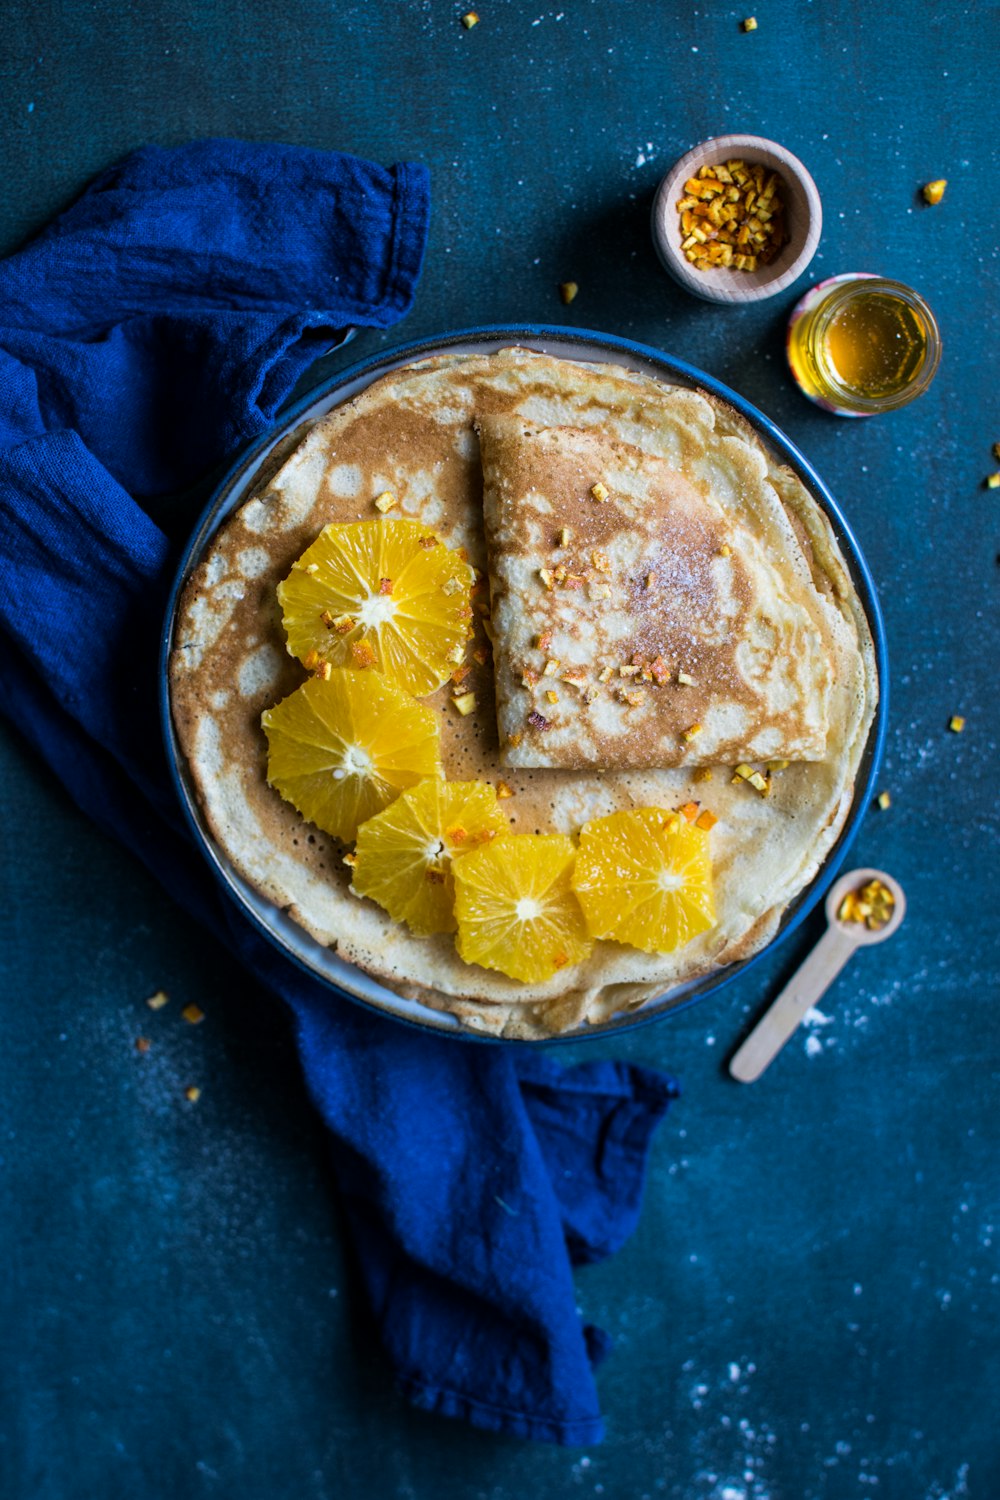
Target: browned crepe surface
[{"x": 650, "y": 628}]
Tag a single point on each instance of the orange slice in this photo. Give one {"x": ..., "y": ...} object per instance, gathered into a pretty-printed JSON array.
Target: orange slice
[
  {"x": 403, "y": 855},
  {"x": 382, "y": 594},
  {"x": 644, "y": 877},
  {"x": 515, "y": 907},
  {"x": 341, "y": 749}
]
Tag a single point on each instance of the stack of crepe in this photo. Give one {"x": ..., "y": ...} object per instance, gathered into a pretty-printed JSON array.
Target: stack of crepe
[{"x": 652, "y": 569}]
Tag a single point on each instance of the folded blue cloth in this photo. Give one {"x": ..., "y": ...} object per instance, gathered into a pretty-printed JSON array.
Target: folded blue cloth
[{"x": 154, "y": 326}]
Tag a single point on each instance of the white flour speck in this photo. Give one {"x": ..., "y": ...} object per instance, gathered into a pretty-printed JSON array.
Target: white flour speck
[{"x": 814, "y": 1017}]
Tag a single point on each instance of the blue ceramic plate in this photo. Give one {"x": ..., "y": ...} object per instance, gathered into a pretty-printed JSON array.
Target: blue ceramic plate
[{"x": 579, "y": 344}]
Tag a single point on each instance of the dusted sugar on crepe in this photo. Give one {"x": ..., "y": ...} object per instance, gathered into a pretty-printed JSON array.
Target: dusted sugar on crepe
[{"x": 637, "y": 621}]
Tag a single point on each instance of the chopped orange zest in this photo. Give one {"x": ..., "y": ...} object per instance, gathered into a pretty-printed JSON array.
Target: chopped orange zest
[{"x": 363, "y": 654}]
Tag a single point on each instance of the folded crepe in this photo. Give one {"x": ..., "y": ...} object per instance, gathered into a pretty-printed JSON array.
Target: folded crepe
[{"x": 642, "y": 618}]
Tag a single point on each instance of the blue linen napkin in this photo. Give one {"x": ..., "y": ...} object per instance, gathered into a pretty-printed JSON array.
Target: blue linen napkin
[{"x": 157, "y": 324}]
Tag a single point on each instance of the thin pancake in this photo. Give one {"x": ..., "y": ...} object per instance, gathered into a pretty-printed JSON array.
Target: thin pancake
[
  {"x": 413, "y": 432},
  {"x": 651, "y": 627}
]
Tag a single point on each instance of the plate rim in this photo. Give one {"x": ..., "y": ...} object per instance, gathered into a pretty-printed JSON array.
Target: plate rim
[{"x": 362, "y": 373}]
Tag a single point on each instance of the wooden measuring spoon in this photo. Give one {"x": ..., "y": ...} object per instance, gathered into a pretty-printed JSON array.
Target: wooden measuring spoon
[{"x": 814, "y": 976}]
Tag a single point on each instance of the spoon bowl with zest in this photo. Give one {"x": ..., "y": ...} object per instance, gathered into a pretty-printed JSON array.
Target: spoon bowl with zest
[{"x": 862, "y": 908}]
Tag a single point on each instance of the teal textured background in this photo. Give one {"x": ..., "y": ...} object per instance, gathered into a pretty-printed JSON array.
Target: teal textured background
[{"x": 809, "y": 1308}]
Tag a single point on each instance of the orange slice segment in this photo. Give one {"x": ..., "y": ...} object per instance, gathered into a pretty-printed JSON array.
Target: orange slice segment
[
  {"x": 381, "y": 594},
  {"x": 403, "y": 857},
  {"x": 644, "y": 877},
  {"x": 341, "y": 749},
  {"x": 515, "y": 907}
]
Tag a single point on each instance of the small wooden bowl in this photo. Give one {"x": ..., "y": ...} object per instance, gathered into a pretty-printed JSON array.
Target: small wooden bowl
[{"x": 803, "y": 218}]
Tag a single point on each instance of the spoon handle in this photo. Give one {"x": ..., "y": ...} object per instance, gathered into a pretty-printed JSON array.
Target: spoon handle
[{"x": 802, "y": 991}]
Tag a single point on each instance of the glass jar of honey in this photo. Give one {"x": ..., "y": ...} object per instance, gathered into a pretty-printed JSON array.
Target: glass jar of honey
[{"x": 861, "y": 344}]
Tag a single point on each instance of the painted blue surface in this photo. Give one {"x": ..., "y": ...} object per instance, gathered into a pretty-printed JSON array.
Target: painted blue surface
[{"x": 809, "y": 1309}]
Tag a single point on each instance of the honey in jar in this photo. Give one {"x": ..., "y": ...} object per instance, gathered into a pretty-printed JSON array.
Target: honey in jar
[{"x": 862, "y": 344}]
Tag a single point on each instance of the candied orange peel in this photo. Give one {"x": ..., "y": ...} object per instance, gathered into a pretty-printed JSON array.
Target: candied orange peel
[
  {"x": 732, "y": 216},
  {"x": 872, "y": 903}
]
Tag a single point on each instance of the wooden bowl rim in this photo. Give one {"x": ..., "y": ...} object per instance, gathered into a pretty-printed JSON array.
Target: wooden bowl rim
[{"x": 805, "y": 213}]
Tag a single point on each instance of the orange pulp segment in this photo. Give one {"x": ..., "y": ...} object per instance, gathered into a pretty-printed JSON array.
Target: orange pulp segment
[
  {"x": 403, "y": 857},
  {"x": 515, "y": 907},
  {"x": 644, "y": 877},
  {"x": 382, "y": 594},
  {"x": 342, "y": 748}
]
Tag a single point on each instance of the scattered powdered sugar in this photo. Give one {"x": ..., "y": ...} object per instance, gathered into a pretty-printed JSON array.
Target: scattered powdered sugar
[
  {"x": 815, "y": 1017},
  {"x": 732, "y": 1449},
  {"x": 957, "y": 1490},
  {"x": 854, "y": 1001},
  {"x": 814, "y": 1020}
]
